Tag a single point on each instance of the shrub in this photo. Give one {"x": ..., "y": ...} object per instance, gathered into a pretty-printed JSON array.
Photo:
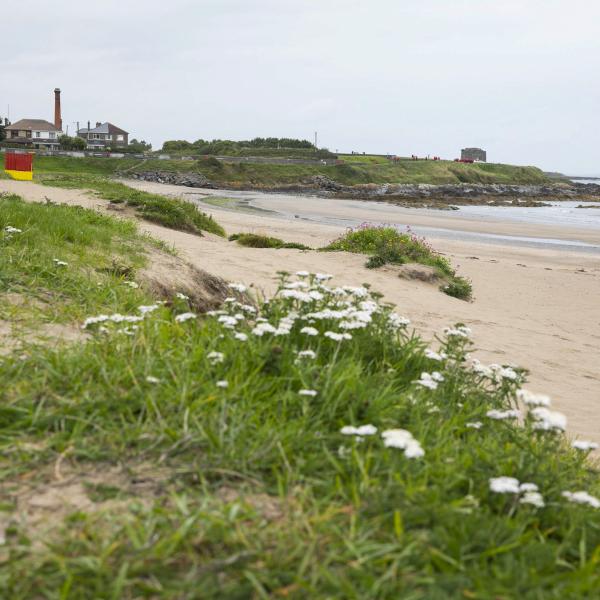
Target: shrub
[{"x": 386, "y": 245}]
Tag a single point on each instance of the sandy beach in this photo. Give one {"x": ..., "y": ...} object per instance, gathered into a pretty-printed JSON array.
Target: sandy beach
[{"x": 536, "y": 307}]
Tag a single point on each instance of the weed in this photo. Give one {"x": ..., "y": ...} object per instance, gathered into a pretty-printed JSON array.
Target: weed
[{"x": 252, "y": 240}]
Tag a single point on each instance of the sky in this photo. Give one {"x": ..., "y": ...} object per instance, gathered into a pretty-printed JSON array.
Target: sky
[{"x": 519, "y": 78}]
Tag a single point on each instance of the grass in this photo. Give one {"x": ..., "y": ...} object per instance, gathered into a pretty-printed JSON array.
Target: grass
[
  {"x": 170, "y": 212},
  {"x": 252, "y": 240},
  {"x": 386, "y": 245},
  {"x": 251, "y": 490}
]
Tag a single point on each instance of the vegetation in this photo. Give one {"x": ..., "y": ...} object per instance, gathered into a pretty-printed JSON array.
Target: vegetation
[
  {"x": 228, "y": 456},
  {"x": 386, "y": 245},
  {"x": 252, "y": 240},
  {"x": 170, "y": 212},
  {"x": 71, "y": 143}
]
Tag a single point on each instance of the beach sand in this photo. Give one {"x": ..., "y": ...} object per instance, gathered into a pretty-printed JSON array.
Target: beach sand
[{"x": 533, "y": 307}]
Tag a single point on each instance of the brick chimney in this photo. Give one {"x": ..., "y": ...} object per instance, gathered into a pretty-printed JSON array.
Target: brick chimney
[{"x": 57, "y": 115}]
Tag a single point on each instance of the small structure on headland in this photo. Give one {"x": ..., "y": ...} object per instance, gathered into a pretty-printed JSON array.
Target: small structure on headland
[
  {"x": 474, "y": 154},
  {"x": 104, "y": 135}
]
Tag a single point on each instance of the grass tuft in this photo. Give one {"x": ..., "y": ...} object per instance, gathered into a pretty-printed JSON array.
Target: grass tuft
[{"x": 253, "y": 240}]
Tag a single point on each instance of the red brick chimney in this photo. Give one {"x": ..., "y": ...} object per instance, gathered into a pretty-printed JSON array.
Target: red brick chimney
[{"x": 57, "y": 115}]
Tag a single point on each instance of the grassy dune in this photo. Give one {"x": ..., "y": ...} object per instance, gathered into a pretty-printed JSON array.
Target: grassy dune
[
  {"x": 211, "y": 457},
  {"x": 255, "y": 174}
]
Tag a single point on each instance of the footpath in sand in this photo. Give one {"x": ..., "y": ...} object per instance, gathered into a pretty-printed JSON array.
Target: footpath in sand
[{"x": 532, "y": 307}]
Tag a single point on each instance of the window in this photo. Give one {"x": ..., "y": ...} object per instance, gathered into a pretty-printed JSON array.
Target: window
[
  {"x": 52, "y": 135},
  {"x": 119, "y": 138},
  {"x": 38, "y": 134}
]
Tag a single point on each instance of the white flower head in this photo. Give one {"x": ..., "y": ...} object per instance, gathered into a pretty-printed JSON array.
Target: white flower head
[
  {"x": 323, "y": 276},
  {"x": 311, "y": 393},
  {"x": 222, "y": 383},
  {"x": 461, "y": 331},
  {"x": 337, "y": 337},
  {"x": 181, "y": 296},
  {"x": 548, "y": 420},
  {"x": 584, "y": 445},
  {"x": 183, "y": 317},
  {"x": 582, "y": 498},
  {"x": 307, "y": 354},
  {"x": 430, "y": 380},
  {"x": 10, "y": 229},
  {"x": 302, "y": 273},
  {"x": 500, "y": 415},
  {"x": 238, "y": 287},
  {"x": 242, "y": 337},
  {"x": 474, "y": 425},
  {"x": 533, "y": 498},
  {"x": 152, "y": 379},
  {"x": 359, "y": 431},
  {"x": 215, "y": 357},
  {"x": 132, "y": 284},
  {"x": 60, "y": 263},
  {"x": 432, "y": 355},
  {"x": 531, "y": 399},
  {"x": 404, "y": 440},
  {"x": 504, "y": 485},
  {"x": 145, "y": 310}
]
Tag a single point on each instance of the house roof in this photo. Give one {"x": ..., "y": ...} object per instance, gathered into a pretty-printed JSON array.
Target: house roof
[
  {"x": 32, "y": 125},
  {"x": 105, "y": 128}
]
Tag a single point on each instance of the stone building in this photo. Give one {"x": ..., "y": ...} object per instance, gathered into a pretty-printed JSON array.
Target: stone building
[{"x": 473, "y": 154}]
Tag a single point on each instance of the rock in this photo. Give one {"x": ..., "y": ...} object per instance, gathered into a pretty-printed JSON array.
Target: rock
[
  {"x": 324, "y": 183},
  {"x": 195, "y": 180}
]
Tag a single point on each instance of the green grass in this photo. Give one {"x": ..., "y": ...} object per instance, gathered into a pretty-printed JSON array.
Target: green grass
[
  {"x": 386, "y": 245},
  {"x": 251, "y": 491},
  {"x": 253, "y": 240},
  {"x": 170, "y": 212}
]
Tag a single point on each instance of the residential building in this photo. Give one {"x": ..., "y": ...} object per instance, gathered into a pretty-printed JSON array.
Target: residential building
[
  {"x": 473, "y": 154},
  {"x": 37, "y": 133},
  {"x": 104, "y": 135}
]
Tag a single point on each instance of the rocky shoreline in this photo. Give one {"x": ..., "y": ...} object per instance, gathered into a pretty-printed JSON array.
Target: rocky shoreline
[{"x": 442, "y": 196}]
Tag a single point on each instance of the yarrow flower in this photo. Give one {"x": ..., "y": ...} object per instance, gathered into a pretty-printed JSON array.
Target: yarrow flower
[
  {"x": 439, "y": 356},
  {"x": 582, "y": 497},
  {"x": 152, "y": 379},
  {"x": 215, "y": 357},
  {"x": 311, "y": 393},
  {"x": 460, "y": 331},
  {"x": 403, "y": 439},
  {"x": 548, "y": 420},
  {"x": 302, "y": 273},
  {"x": 584, "y": 445},
  {"x": 132, "y": 284},
  {"x": 309, "y": 331},
  {"x": 531, "y": 399},
  {"x": 242, "y": 337},
  {"x": 397, "y": 322},
  {"x": 500, "y": 415},
  {"x": 337, "y": 337},
  {"x": 534, "y": 498},
  {"x": 474, "y": 425},
  {"x": 10, "y": 229},
  {"x": 145, "y": 310},
  {"x": 183, "y": 317},
  {"x": 238, "y": 287},
  {"x": 262, "y": 328},
  {"x": 307, "y": 354},
  {"x": 430, "y": 380},
  {"x": 359, "y": 431},
  {"x": 323, "y": 276},
  {"x": 504, "y": 485},
  {"x": 181, "y": 296},
  {"x": 222, "y": 383},
  {"x": 60, "y": 263}
]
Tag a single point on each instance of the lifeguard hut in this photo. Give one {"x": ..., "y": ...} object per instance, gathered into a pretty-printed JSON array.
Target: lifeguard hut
[{"x": 19, "y": 166}]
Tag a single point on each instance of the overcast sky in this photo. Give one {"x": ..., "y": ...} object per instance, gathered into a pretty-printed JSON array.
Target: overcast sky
[{"x": 519, "y": 78}]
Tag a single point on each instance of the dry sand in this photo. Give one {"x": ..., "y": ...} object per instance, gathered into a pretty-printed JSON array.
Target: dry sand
[{"x": 536, "y": 308}]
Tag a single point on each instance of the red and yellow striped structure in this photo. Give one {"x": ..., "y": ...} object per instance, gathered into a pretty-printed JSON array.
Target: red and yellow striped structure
[{"x": 19, "y": 166}]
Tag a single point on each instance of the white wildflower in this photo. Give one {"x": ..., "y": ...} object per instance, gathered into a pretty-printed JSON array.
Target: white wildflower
[
  {"x": 323, "y": 276},
  {"x": 215, "y": 357},
  {"x": 222, "y": 383},
  {"x": 499, "y": 415},
  {"x": 474, "y": 425},
  {"x": 262, "y": 328},
  {"x": 302, "y": 273},
  {"x": 228, "y": 321},
  {"x": 315, "y": 295},
  {"x": 548, "y": 420},
  {"x": 400, "y": 438},
  {"x": 296, "y": 285},
  {"x": 181, "y": 296},
  {"x": 504, "y": 485},
  {"x": 145, "y": 310},
  {"x": 60, "y": 263},
  {"x": 396, "y": 321},
  {"x": 534, "y": 498},
  {"x": 582, "y": 498},
  {"x": 430, "y": 380},
  {"x": 132, "y": 284},
  {"x": 238, "y": 287},
  {"x": 307, "y": 354},
  {"x": 296, "y": 295},
  {"x": 431, "y": 354},
  {"x": 584, "y": 445},
  {"x": 337, "y": 337},
  {"x": 10, "y": 229},
  {"x": 460, "y": 331},
  {"x": 311, "y": 393},
  {"x": 152, "y": 379},
  {"x": 242, "y": 337},
  {"x": 508, "y": 373},
  {"x": 528, "y": 487},
  {"x": 532, "y": 399},
  {"x": 360, "y": 431},
  {"x": 183, "y": 317}
]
